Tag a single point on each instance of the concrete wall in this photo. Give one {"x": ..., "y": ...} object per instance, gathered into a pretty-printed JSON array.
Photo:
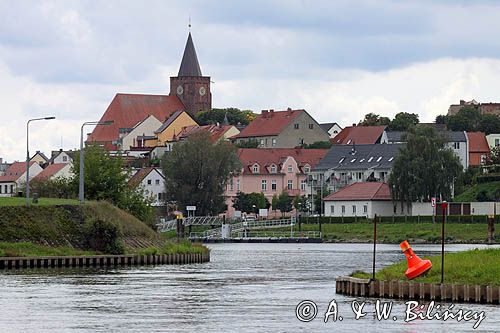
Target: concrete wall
[{"x": 484, "y": 208}]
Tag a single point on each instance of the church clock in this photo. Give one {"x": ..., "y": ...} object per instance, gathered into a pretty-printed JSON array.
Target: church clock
[{"x": 180, "y": 90}]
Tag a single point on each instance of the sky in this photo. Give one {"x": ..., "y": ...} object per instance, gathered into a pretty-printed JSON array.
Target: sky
[{"x": 337, "y": 59}]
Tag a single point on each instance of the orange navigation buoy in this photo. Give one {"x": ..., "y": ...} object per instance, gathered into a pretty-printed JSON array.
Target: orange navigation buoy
[{"x": 416, "y": 266}]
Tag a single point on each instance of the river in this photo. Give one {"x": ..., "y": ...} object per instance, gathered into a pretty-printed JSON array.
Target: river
[{"x": 245, "y": 288}]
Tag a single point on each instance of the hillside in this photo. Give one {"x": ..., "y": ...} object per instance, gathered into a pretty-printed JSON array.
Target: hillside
[
  {"x": 470, "y": 194},
  {"x": 70, "y": 225}
]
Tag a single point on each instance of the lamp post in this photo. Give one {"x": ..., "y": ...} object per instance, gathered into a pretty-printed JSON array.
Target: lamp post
[
  {"x": 28, "y": 156},
  {"x": 81, "y": 187},
  {"x": 444, "y": 204}
]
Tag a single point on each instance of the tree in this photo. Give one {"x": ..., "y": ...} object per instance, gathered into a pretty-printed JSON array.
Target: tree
[
  {"x": 403, "y": 121},
  {"x": 252, "y": 143},
  {"x": 466, "y": 119},
  {"x": 250, "y": 202},
  {"x": 489, "y": 124},
  {"x": 372, "y": 119},
  {"x": 105, "y": 179},
  {"x": 318, "y": 199},
  {"x": 284, "y": 203},
  {"x": 301, "y": 203},
  {"x": 441, "y": 119},
  {"x": 197, "y": 171},
  {"x": 234, "y": 116},
  {"x": 424, "y": 168},
  {"x": 318, "y": 145},
  {"x": 494, "y": 156}
]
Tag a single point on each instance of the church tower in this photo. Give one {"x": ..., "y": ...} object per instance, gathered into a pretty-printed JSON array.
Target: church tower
[{"x": 192, "y": 88}]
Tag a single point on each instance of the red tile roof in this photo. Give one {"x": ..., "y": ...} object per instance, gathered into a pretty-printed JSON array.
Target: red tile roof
[
  {"x": 362, "y": 191},
  {"x": 478, "y": 142},
  {"x": 269, "y": 123},
  {"x": 216, "y": 132},
  {"x": 359, "y": 135},
  {"x": 49, "y": 171},
  {"x": 265, "y": 157},
  {"x": 16, "y": 170},
  {"x": 126, "y": 110}
]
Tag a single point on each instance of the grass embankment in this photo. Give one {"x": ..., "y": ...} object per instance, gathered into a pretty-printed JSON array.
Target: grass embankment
[
  {"x": 471, "y": 193},
  {"x": 468, "y": 267},
  {"x": 18, "y": 201},
  {"x": 93, "y": 228}
]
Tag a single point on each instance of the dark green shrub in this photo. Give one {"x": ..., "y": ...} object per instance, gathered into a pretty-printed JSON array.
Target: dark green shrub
[{"x": 103, "y": 236}]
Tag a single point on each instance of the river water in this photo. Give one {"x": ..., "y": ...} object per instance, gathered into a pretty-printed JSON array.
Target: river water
[{"x": 245, "y": 288}]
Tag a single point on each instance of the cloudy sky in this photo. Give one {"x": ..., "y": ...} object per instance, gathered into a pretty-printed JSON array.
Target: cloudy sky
[{"x": 337, "y": 59}]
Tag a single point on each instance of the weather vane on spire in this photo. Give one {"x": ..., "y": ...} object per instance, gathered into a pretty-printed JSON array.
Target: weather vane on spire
[{"x": 189, "y": 25}]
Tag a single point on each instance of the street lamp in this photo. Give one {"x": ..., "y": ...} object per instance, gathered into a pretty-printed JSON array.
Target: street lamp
[
  {"x": 81, "y": 188},
  {"x": 28, "y": 156}
]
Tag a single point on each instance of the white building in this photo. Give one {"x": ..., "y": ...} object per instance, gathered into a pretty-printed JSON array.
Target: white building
[
  {"x": 331, "y": 128},
  {"x": 493, "y": 140},
  {"x": 135, "y": 137},
  {"x": 61, "y": 156},
  {"x": 151, "y": 182},
  {"x": 54, "y": 171},
  {"x": 15, "y": 176}
]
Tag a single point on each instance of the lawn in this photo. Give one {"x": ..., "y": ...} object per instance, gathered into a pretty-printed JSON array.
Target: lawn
[
  {"x": 468, "y": 267},
  {"x": 18, "y": 201},
  {"x": 27, "y": 249}
]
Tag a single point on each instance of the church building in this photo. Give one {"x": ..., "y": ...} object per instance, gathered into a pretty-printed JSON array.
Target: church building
[{"x": 189, "y": 91}]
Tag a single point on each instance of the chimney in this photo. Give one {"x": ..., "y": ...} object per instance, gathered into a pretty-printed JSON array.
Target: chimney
[
  {"x": 462, "y": 102},
  {"x": 289, "y": 109},
  {"x": 264, "y": 112},
  {"x": 353, "y": 125},
  {"x": 271, "y": 110}
]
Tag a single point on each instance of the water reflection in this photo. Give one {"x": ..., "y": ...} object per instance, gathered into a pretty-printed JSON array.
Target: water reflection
[{"x": 245, "y": 288}]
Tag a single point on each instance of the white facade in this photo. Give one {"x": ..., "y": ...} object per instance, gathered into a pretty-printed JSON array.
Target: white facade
[
  {"x": 334, "y": 130},
  {"x": 493, "y": 140},
  {"x": 62, "y": 157},
  {"x": 153, "y": 186},
  {"x": 147, "y": 127},
  {"x": 461, "y": 149},
  {"x": 65, "y": 172},
  {"x": 363, "y": 208},
  {"x": 9, "y": 188}
]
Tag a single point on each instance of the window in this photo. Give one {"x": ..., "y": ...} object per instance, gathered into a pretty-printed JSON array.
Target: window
[
  {"x": 0, "y": 189},
  {"x": 361, "y": 160},
  {"x": 157, "y": 182},
  {"x": 237, "y": 184},
  {"x": 379, "y": 159},
  {"x": 343, "y": 209},
  {"x": 296, "y": 126},
  {"x": 159, "y": 196},
  {"x": 365, "y": 209},
  {"x": 231, "y": 184},
  {"x": 303, "y": 185},
  {"x": 264, "y": 185},
  {"x": 370, "y": 159},
  {"x": 353, "y": 160},
  {"x": 149, "y": 181},
  {"x": 456, "y": 145},
  {"x": 273, "y": 168},
  {"x": 382, "y": 175},
  {"x": 332, "y": 209},
  {"x": 354, "y": 209},
  {"x": 290, "y": 169},
  {"x": 342, "y": 160},
  {"x": 497, "y": 142},
  {"x": 349, "y": 141},
  {"x": 311, "y": 126},
  {"x": 262, "y": 142},
  {"x": 5, "y": 188},
  {"x": 391, "y": 158},
  {"x": 273, "y": 142},
  {"x": 307, "y": 169},
  {"x": 65, "y": 158},
  {"x": 273, "y": 185},
  {"x": 289, "y": 184},
  {"x": 255, "y": 168},
  {"x": 359, "y": 175}
]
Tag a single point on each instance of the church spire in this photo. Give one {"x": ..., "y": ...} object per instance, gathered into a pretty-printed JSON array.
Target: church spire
[{"x": 189, "y": 64}]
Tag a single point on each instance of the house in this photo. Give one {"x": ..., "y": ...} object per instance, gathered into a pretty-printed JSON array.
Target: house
[
  {"x": 483, "y": 108},
  {"x": 189, "y": 91},
  {"x": 217, "y": 132},
  {"x": 493, "y": 140},
  {"x": 61, "y": 156},
  {"x": 331, "y": 128},
  {"x": 138, "y": 134},
  {"x": 40, "y": 158},
  {"x": 282, "y": 129},
  {"x": 166, "y": 132},
  {"x": 456, "y": 140},
  {"x": 364, "y": 199},
  {"x": 151, "y": 182},
  {"x": 273, "y": 171},
  {"x": 15, "y": 176},
  {"x": 359, "y": 135},
  {"x": 3, "y": 166},
  {"x": 347, "y": 164},
  {"x": 54, "y": 171},
  {"x": 479, "y": 150}
]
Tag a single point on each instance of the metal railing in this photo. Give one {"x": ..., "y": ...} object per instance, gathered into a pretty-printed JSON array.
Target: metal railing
[
  {"x": 261, "y": 224},
  {"x": 277, "y": 234}
]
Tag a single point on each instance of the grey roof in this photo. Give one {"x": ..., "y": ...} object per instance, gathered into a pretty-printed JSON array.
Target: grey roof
[
  {"x": 42, "y": 155},
  {"x": 169, "y": 121},
  {"x": 450, "y": 136},
  {"x": 326, "y": 126},
  {"x": 189, "y": 64},
  {"x": 368, "y": 156}
]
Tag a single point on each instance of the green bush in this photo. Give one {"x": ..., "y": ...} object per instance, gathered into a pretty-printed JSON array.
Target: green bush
[{"x": 103, "y": 236}]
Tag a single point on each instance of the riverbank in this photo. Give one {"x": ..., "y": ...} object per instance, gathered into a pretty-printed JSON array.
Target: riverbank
[{"x": 474, "y": 267}]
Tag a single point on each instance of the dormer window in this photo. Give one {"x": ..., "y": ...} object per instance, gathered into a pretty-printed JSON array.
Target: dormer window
[
  {"x": 370, "y": 159},
  {"x": 390, "y": 159},
  {"x": 296, "y": 126},
  {"x": 307, "y": 168},
  {"x": 342, "y": 160},
  {"x": 255, "y": 168},
  {"x": 290, "y": 169},
  {"x": 273, "y": 168},
  {"x": 353, "y": 160},
  {"x": 379, "y": 159},
  {"x": 349, "y": 141}
]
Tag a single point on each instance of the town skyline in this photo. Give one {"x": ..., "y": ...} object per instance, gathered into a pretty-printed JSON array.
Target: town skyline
[{"x": 64, "y": 60}]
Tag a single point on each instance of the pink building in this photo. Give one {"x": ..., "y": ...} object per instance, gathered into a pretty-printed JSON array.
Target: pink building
[{"x": 273, "y": 171}]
